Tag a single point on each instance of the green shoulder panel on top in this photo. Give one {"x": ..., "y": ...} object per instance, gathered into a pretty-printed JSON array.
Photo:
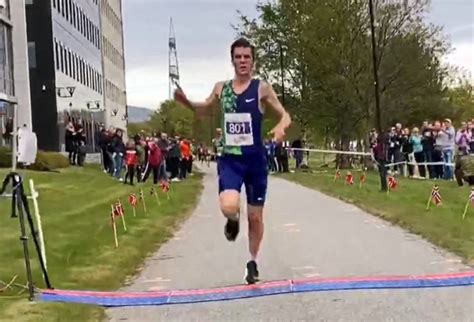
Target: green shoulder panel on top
[{"x": 229, "y": 105}]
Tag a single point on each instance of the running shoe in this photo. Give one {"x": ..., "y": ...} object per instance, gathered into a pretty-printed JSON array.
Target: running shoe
[
  {"x": 251, "y": 272},
  {"x": 232, "y": 229}
]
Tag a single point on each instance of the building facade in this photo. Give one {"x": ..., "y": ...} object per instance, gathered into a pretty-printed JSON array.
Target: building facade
[
  {"x": 20, "y": 63},
  {"x": 114, "y": 64},
  {"x": 68, "y": 56},
  {"x": 14, "y": 82}
]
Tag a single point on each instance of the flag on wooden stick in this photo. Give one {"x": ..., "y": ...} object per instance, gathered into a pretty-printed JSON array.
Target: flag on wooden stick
[
  {"x": 114, "y": 226},
  {"x": 337, "y": 175},
  {"x": 435, "y": 197},
  {"x": 132, "y": 200},
  {"x": 470, "y": 201},
  {"x": 349, "y": 178},
  {"x": 165, "y": 187},
  {"x": 142, "y": 198},
  {"x": 392, "y": 183},
  {"x": 119, "y": 212}
]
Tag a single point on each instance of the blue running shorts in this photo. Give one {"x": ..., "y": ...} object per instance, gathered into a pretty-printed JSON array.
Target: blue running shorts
[{"x": 250, "y": 170}]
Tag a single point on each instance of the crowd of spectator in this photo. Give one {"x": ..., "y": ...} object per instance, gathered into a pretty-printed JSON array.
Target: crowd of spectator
[
  {"x": 164, "y": 158},
  {"x": 430, "y": 149}
]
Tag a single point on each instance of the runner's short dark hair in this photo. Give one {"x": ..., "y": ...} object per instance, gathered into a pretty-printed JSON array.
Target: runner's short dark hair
[{"x": 241, "y": 42}]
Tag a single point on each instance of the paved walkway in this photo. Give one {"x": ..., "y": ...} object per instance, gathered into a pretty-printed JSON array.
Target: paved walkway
[{"x": 307, "y": 234}]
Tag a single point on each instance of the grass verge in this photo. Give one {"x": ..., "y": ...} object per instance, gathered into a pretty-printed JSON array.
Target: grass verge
[
  {"x": 406, "y": 206},
  {"x": 75, "y": 206}
]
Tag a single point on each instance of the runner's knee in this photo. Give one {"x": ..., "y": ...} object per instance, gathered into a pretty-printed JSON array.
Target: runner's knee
[
  {"x": 229, "y": 202},
  {"x": 255, "y": 214}
]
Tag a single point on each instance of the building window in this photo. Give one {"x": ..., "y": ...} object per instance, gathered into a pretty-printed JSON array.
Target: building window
[
  {"x": 32, "y": 54},
  {"x": 5, "y": 9},
  {"x": 56, "y": 54},
  {"x": 6, "y": 60}
]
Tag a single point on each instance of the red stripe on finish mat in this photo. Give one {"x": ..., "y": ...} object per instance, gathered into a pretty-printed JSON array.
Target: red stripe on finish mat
[{"x": 264, "y": 285}]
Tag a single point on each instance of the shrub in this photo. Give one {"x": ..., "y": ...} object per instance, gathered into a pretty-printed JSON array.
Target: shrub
[{"x": 45, "y": 161}]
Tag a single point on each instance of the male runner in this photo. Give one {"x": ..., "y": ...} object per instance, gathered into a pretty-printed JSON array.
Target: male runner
[{"x": 243, "y": 159}]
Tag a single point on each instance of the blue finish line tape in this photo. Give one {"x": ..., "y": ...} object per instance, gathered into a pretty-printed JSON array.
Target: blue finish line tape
[{"x": 115, "y": 299}]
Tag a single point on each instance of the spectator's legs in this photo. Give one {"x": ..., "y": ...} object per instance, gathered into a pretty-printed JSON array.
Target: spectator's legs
[
  {"x": 183, "y": 168},
  {"x": 448, "y": 168},
  {"x": 189, "y": 165},
  {"x": 438, "y": 169},
  {"x": 428, "y": 155},
  {"x": 156, "y": 170},
  {"x": 383, "y": 174},
  {"x": 409, "y": 166},
  {"x": 118, "y": 166},
  {"x": 162, "y": 175},
  {"x": 146, "y": 173},
  {"x": 391, "y": 157},
  {"x": 131, "y": 169},
  {"x": 420, "y": 158}
]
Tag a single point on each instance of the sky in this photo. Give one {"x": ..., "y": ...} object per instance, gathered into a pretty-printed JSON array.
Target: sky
[{"x": 204, "y": 33}]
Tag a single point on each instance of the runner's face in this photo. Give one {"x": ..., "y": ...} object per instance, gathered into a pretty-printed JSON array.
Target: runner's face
[{"x": 242, "y": 61}]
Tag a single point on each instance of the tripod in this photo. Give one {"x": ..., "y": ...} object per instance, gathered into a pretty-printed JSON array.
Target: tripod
[{"x": 20, "y": 204}]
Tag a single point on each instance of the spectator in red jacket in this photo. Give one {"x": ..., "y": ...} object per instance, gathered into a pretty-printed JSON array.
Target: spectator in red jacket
[
  {"x": 131, "y": 161},
  {"x": 153, "y": 161}
]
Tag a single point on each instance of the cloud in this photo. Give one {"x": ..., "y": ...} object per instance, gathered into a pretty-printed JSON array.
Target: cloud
[
  {"x": 148, "y": 85},
  {"x": 462, "y": 56}
]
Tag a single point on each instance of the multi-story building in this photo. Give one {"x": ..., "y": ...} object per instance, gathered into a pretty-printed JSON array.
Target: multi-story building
[
  {"x": 14, "y": 83},
  {"x": 114, "y": 63},
  {"x": 72, "y": 44}
]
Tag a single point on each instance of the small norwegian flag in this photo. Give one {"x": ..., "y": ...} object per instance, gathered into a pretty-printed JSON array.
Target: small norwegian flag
[
  {"x": 118, "y": 209},
  {"x": 349, "y": 178},
  {"x": 165, "y": 186},
  {"x": 132, "y": 199},
  {"x": 392, "y": 182},
  {"x": 435, "y": 195}
]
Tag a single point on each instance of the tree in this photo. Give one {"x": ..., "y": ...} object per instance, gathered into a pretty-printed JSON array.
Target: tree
[{"x": 327, "y": 69}]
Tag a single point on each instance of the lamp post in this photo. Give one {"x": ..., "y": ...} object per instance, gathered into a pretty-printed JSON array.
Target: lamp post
[{"x": 374, "y": 62}]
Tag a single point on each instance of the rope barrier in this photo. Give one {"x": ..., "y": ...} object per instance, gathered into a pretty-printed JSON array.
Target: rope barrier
[{"x": 449, "y": 164}]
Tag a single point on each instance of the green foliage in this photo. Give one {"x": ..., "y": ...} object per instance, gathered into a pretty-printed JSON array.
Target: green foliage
[
  {"x": 45, "y": 161},
  {"x": 321, "y": 52}
]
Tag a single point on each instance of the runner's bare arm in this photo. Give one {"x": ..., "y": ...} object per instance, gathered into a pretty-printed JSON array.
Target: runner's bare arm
[
  {"x": 270, "y": 99},
  {"x": 210, "y": 101}
]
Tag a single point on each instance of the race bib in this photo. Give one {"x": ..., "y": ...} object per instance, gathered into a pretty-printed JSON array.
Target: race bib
[{"x": 238, "y": 129}]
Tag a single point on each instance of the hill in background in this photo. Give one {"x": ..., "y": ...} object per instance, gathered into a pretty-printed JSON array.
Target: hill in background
[{"x": 139, "y": 114}]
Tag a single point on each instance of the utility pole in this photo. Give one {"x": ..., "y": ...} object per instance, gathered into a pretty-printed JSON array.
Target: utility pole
[
  {"x": 282, "y": 78},
  {"x": 376, "y": 76}
]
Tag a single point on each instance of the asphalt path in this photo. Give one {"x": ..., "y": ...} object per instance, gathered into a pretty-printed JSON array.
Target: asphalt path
[{"x": 307, "y": 234}]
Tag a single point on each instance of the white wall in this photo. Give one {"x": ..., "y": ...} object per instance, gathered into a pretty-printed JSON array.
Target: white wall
[{"x": 20, "y": 62}]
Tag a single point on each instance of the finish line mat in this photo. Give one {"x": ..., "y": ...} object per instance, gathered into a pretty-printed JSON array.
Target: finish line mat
[{"x": 114, "y": 299}]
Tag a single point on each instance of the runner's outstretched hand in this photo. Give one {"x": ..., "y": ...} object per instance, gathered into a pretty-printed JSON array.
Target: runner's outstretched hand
[{"x": 278, "y": 133}]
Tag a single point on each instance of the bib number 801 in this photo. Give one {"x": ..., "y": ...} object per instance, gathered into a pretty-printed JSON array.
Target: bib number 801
[{"x": 238, "y": 128}]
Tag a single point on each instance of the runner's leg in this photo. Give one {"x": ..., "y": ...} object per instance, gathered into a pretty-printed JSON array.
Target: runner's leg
[
  {"x": 230, "y": 182},
  {"x": 256, "y": 182}
]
